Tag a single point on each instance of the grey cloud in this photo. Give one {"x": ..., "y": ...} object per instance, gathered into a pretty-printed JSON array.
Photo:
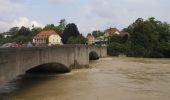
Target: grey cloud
[
  {"x": 10, "y": 6},
  {"x": 94, "y": 14},
  {"x": 110, "y": 13},
  {"x": 58, "y": 2},
  {"x": 8, "y": 9},
  {"x": 17, "y": 1}
]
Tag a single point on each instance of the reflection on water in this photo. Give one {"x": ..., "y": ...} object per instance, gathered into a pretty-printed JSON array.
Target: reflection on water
[{"x": 108, "y": 79}]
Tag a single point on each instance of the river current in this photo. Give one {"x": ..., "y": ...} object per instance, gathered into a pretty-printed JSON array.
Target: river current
[{"x": 107, "y": 79}]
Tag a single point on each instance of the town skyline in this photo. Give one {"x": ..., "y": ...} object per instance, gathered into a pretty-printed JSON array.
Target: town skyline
[{"x": 87, "y": 15}]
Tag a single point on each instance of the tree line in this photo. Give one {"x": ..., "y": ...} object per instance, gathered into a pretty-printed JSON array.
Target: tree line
[
  {"x": 146, "y": 38},
  {"x": 69, "y": 33}
]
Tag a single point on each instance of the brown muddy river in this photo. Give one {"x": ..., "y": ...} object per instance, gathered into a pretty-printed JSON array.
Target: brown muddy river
[{"x": 107, "y": 79}]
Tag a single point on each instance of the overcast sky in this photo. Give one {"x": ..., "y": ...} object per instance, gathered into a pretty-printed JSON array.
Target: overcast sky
[{"x": 89, "y": 15}]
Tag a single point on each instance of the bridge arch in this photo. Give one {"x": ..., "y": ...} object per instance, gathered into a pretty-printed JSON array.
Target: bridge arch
[
  {"x": 51, "y": 67},
  {"x": 17, "y": 61},
  {"x": 93, "y": 55}
]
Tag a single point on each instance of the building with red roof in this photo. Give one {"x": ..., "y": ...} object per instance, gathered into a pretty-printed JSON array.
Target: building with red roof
[
  {"x": 47, "y": 37},
  {"x": 112, "y": 31}
]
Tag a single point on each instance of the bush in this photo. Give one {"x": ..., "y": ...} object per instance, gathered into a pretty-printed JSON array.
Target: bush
[
  {"x": 76, "y": 40},
  {"x": 115, "y": 49}
]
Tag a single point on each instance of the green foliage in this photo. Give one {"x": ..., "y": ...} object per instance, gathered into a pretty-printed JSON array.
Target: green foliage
[
  {"x": 18, "y": 35},
  {"x": 1, "y": 36},
  {"x": 24, "y": 34},
  {"x": 23, "y": 39},
  {"x": 72, "y": 40},
  {"x": 71, "y": 30},
  {"x": 116, "y": 38},
  {"x": 137, "y": 51},
  {"x": 62, "y": 25},
  {"x": 164, "y": 49},
  {"x": 125, "y": 39},
  {"x": 53, "y": 27},
  {"x": 24, "y": 31},
  {"x": 77, "y": 40},
  {"x": 59, "y": 30},
  {"x": 97, "y": 33},
  {"x": 36, "y": 30},
  {"x": 149, "y": 38},
  {"x": 6, "y": 40},
  {"x": 14, "y": 30},
  {"x": 49, "y": 27},
  {"x": 116, "y": 49}
]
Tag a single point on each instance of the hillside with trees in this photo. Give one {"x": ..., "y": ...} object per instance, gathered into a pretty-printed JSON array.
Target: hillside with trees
[{"x": 147, "y": 38}]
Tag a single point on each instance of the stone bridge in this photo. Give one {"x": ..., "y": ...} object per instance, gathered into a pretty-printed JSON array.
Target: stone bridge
[{"x": 17, "y": 61}]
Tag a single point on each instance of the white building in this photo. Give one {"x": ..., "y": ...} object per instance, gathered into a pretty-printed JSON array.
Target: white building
[
  {"x": 47, "y": 37},
  {"x": 91, "y": 39},
  {"x": 54, "y": 39}
]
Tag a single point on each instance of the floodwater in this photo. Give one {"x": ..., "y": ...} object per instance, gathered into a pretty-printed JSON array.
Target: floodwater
[{"x": 108, "y": 79}]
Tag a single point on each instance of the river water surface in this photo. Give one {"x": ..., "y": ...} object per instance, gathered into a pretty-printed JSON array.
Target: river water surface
[{"x": 107, "y": 79}]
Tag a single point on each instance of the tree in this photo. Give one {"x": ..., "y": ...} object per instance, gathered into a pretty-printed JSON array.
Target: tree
[
  {"x": 71, "y": 30},
  {"x": 1, "y": 39},
  {"x": 147, "y": 36},
  {"x": 77, "y": 40},
  {"x": 36, "y": 30},
  {"x": 24, "y": 31},
  {"x": 116, "y": 38},
  {"x": 115, "y": 49},
  {"x": 49, "y": 27},
  {"x": 24, "y": 35},
  {"x": 62, "y": 24},
  {"x": 1, "y": 36},
  {"x": 14, "y": 30},
  {"x": 52, "y": 27},
  {"x": 97, "y": 33}
]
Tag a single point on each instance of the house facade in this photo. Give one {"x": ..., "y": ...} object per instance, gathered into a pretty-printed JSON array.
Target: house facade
[
  {"x": 91, "y": 39},
  {"x": 47, "y": 37},
  {"x": 112, "y": 31},
  {"x": 54, "y": 39}
]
